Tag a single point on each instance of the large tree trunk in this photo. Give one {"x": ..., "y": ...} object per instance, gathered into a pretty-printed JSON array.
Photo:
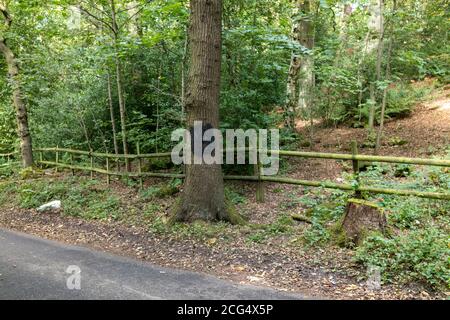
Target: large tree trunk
[
  {"x": 301, "y": 71},
  {"x": 21, "y": 110},
  {"x": 300, "y": 77},
  {"x": 306, "y": 81},
  {"x": 203, "y": 196}
]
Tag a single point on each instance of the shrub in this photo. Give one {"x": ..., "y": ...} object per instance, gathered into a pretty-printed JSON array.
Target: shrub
[
  {"x": 420, "y": 255},
  {"x": 162, "y": 191},
  {"x": 402, "y": 99},
  {"x": 78, "y": 197}
]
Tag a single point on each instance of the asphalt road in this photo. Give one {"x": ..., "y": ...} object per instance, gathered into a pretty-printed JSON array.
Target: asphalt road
[{"x": 34, "y": 268}]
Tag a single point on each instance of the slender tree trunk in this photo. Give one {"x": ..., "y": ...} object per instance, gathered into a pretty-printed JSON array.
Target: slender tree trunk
[
  {"x": 385, "y": 90},
  {"x": 85, "y": 132},
  {"x": 98, "y": 129},
  {"x": 373, "y": 106},
  {"x": 122, "y": 109},
  {"x": 111, "y": 113},
  {"x": 380, "y": 39},
  {"x": 183, "y": 73},
  {"x": 26, "y": 146},
  {"x": 203, "y": 196},
  {"x": 292, "y": 82},
  {"x": 158, "y": 83},
  {"x": 360, "y": 80}
]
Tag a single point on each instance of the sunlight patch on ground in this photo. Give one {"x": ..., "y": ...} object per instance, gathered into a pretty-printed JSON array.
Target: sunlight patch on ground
[{"x": 445, "y": 106}]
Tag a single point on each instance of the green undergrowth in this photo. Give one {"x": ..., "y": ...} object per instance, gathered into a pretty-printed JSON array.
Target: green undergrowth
[
  {"x": 416, "y": 248},
  {"x": 161, "y": 191},
  {"x": 261, "y": 233},
  {"x": 80, "y": 197},
  {"x": 420, "y": 255}
]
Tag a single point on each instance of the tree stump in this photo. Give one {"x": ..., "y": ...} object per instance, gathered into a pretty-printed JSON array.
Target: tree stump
[{"x": 361, "y": 217}]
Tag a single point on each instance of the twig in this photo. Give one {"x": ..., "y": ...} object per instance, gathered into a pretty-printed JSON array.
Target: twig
[{"x": 301, "y": 218}]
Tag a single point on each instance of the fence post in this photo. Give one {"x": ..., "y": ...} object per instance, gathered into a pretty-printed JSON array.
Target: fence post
[
  {"x": 57, "y": 159},
  {"x": 92, "y": 164},
  {"x": 40, "y": 159},
  {"x": 71, "y": 163},
  {"x": 138, "y": 150},
  {"x": 127, "y": 165},
  {"x": 355, "y": 164},
  {"x": 107, "y": 171},
  {"x": 257, "y": 168}
]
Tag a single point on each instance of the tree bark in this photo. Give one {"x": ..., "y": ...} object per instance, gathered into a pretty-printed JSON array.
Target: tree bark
[
  {"x": 122, "y": 109},
  {"x": 183, "y": 73},
  {"x": 300, "y": 77},
  {"x": 385, "y": 90},
  {"x": 306, "y": 80},
  {"x": 111, "y": 113},
  {"x": 380, "y": 29},
  {"x": 360, "y": 79},
  {"x": 84, "y": 128},
  {"x": 203, "y": 195},
  {"x": 26, "y": 146},
  {"x": 372, "y": 107},
  {"x": 134, "y": 16},
  {"x": 360, "y": 218},
  {"x": 292, "y": 82}
]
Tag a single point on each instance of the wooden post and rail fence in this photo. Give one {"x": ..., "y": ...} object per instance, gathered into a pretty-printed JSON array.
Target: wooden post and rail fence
[
  {"x": 259, "y": 179},
  {"x": 8, "y": 156}
]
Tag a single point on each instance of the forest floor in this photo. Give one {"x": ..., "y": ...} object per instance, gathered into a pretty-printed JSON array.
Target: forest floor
[{"x": 269, "y": 251}]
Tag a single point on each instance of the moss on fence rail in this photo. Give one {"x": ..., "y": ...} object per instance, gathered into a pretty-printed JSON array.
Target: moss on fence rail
[
  {"x": 105, "y": 155},
  {"x": 260, "y": 179},
  {"x": 362, "y": 157},
  {"x": 113, "y": 173},
  {"x": 300, "y": 154},
  {"x": 310, "y": 183},
  {"x": 6, "y": 155}
]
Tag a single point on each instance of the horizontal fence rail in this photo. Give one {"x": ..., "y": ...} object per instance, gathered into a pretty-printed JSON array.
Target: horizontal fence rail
[
  {"x": 345, "y": 187},
  {"x": 257, "y": 177},
  {"x": 114, "y": 173},
  {"x": 7, "y": 155},
  {"x": 106, "y": 155},
  {"x": 299, "y": 154},
  {"x": 362, "y": 157}
]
